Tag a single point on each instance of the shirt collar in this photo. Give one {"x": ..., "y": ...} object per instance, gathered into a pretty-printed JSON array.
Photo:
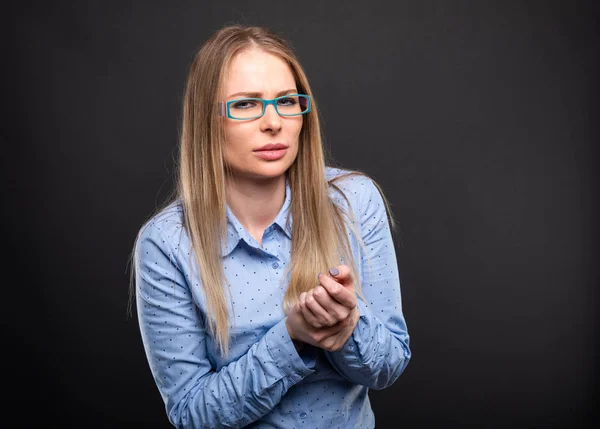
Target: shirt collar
[{"x": 236, "y": 232}]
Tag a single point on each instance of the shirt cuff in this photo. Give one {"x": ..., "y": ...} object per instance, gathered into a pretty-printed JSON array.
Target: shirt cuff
[{"x": 293, "y": 366}]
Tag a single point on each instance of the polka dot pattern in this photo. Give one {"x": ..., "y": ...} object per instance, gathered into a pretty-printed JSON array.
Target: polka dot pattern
[{"x": 264, "y": 382}]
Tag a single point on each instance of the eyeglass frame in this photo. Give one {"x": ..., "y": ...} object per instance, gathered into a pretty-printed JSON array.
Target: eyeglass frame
[{"x": 225, "y": 110}]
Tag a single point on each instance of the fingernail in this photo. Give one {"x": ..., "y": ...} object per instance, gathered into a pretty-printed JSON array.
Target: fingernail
[
  {"x": 334, "y": 271},
  {"x": 319, "y": 276}
]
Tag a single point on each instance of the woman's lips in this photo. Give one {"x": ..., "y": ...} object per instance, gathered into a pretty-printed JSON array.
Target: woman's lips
[
  {"x": 273, "y": 146},
  {"x": 271, "y": 155}
]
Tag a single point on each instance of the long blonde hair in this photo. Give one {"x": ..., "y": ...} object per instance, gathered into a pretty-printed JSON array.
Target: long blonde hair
[{"x": 320, "y": 239}]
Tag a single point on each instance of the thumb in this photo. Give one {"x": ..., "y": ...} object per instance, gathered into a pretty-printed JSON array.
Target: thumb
[{"x": 342, "y": 275}]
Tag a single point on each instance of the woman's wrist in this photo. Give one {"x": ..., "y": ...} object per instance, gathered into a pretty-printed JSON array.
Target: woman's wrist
[
  {"x": 297, "y": 344},
  {"x": 289, "y": 329}
]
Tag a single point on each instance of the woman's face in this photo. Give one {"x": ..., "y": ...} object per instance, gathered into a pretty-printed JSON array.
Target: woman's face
[{"x": 254, "y": 73}]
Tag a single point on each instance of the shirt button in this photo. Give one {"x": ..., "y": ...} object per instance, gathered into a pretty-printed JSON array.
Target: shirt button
[
  {"x": 303, "y": 415},
  {"x": 275, "y": 265}
]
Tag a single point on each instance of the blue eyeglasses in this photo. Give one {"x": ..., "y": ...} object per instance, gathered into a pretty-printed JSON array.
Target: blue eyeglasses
[{"x": 252, "y": 108}]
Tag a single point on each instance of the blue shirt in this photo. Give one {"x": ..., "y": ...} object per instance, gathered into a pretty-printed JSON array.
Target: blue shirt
[{"x": 265, "y": 382}]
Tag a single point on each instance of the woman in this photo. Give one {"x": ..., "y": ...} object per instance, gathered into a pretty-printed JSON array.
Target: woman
[{"x": 239, "y": 323}]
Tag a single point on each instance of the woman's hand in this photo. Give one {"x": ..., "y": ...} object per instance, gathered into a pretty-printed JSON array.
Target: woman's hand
[
  {"x": 326, "y": 315},
  {"x": 330, "y": 338},
  {"x": 331, "y": 301}
]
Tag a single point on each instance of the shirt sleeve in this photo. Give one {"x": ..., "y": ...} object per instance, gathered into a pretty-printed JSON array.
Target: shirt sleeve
[
  {"x": 378, "y": 350},
  {"x": 174, "y": 337}
]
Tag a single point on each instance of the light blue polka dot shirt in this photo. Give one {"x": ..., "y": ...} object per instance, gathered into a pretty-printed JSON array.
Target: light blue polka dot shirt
[{"x": 265, "y": 382}]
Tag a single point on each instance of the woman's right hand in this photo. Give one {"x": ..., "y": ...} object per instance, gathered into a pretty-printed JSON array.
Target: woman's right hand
[
  {"x": 332, "y": 300},
  {"x": 330, "y": 338},
  {"x": 326, "y": 315}
]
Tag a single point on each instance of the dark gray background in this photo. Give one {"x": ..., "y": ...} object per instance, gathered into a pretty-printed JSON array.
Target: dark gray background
[{"x": 478, "y": 119}]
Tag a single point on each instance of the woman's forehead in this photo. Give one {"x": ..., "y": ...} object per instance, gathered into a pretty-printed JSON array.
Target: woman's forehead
[{"x": 254, "y": 70}]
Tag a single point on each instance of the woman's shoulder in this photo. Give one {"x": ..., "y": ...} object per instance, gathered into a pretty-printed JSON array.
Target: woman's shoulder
[
  {"x": 166, "y": 222},
  {"x": 354, "y": 189},
  {"x": 350, "y": 182}
]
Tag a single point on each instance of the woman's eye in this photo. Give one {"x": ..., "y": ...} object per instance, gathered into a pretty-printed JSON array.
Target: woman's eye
[
  {"x": 288, "y": 101},
  {"x": 243, "y": 104}
]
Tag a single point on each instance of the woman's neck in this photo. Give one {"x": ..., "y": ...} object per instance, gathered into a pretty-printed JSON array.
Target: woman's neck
[{"x": 255, "y": 203}]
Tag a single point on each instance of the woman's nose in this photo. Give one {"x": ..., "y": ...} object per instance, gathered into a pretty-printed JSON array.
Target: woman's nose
[{"x": 271, "y": 121}]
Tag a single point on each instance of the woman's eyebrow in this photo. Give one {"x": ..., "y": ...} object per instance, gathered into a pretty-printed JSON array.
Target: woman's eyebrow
[{"x": 259, "y": 94}]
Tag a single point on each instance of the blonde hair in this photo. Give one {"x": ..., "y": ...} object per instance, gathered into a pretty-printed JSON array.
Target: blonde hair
[{"x": 320, "y": 239}]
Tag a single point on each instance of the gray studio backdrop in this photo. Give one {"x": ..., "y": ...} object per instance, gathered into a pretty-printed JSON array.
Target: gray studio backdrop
[{"x": 477, "y": 119}]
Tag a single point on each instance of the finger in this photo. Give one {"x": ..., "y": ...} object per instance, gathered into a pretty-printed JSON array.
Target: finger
[
  {"x": 302, "y": 300},
  {"x": 334, "y": 338},
  {"x": 322, "y": 315},
  {"x": 342, "y": 274},
  {"x": 341, "y": 294},
  {"x": 334, "y": 308},
  {"x": 307, "y": 313},
  {"x": 326, "y": 332}
]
